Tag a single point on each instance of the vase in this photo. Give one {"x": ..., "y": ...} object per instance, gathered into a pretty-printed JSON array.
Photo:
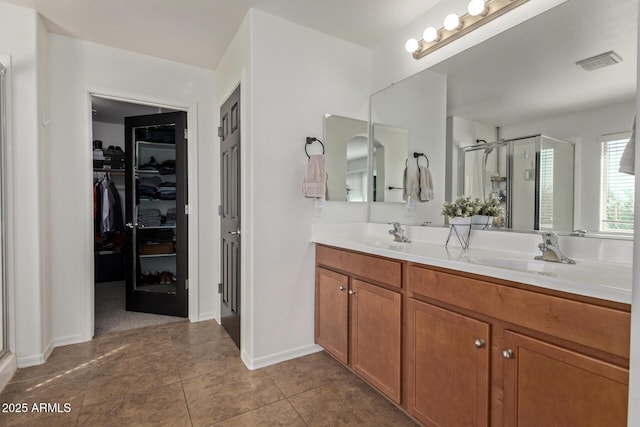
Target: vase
[
  {"x": 461, "y": 228},
  {"x": 481, "y": 222}
]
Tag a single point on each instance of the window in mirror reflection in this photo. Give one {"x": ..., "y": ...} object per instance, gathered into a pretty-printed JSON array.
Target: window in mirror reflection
[
  {"x": 346, "y": 151},
  {"x": 617, "y": 193}
]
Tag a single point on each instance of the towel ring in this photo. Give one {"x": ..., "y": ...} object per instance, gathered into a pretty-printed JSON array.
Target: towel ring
[
  {"x": 311, "y": 140},
  {"x": 417, "y": 157}
]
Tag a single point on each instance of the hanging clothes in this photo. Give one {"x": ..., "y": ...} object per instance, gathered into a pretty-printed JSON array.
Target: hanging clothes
[{"x": 107, "y": 208}]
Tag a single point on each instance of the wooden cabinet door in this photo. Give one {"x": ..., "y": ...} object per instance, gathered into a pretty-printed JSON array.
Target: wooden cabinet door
[
  {"x": 448, "y": 370},
  {"x": 332, "y": 313},
  {"x": 376, "y": 324},
  {"x": 547, "y": 385}
]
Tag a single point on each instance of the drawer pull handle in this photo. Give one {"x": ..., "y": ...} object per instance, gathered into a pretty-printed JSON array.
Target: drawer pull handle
[
  {"x": 479, "y": 343},
  {"x": 508, "y": 354}
]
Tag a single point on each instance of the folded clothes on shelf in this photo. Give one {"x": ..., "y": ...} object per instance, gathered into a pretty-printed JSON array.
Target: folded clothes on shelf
[{"x": 149, "y": 217}]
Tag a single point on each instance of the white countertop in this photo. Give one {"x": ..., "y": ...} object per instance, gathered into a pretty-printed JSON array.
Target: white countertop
[{"x": 588, "y": 277}]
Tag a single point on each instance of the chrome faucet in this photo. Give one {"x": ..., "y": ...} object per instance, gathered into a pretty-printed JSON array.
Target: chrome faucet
[
  {"x": 398, "y": 233},
  {"x": 551, "y": 249}
]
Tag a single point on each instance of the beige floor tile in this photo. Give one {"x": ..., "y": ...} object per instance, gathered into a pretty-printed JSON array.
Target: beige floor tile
[
  {"x": 212, "y": 356},
  {"x": 279, "y": 414},
  {"x": 349, "y": 402},
  {"x": 187, "y": 374},
  {"x": 213, "y": 397},
  {"x": 132, "y": 375},
  {"x": 61, "y": 413},
  {"x": 195, "y": 333},
  {"x": 130, "y": 345},
  {"x": 304, "y": 373},
  {"x": 160, "y": 406},
  {"x": 61, "y": 359}
]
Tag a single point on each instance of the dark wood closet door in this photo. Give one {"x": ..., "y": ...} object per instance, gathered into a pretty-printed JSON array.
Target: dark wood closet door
[
  {"x": 156, "y": 214},
  {"x": 229, "y": 132}
]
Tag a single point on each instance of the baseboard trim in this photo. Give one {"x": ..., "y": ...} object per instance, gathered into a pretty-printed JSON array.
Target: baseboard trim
[
  {"x": 36, "y": 359},
  {"x": 207, "y": 316},
  {"x": 71, "y": 339},
  {"x": 272, "y": 359},
  {"x": 8, "y": 367}
]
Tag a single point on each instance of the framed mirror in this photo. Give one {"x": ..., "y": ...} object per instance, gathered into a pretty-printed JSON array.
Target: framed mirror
[{"x": 347, "y": 154}]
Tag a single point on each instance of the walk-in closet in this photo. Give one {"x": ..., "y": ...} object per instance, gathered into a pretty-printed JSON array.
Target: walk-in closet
[{"x": 135, "y": 255}]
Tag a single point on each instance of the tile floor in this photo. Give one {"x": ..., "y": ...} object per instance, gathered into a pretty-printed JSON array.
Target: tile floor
[{"x": 188, "y": 374}]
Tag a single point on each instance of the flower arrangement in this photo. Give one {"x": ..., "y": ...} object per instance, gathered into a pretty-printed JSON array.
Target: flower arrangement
[
  {"x": 463, "y": 207},
  {"x": 491, "y": 207}
]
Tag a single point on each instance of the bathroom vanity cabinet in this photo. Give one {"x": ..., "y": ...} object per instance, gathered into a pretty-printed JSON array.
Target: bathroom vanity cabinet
[
  {"x": 475, "y": 350},
  {"x": 359, "y": 315}
]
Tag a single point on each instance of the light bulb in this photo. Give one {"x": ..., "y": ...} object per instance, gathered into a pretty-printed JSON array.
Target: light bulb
[
  {"x": 452, "y": 22},
  {"x": 411, "y": 45},
  {"x": 430, "y": 35},
  {"x": 476, "y": 7}
]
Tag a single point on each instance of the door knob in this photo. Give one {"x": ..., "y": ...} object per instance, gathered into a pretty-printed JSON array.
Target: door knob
[
  {"x": 352, "y": 292},
  {"x": 479, "y": 343},
  {"x": 508, "y": 354},
  {"x": 235, "y": 233},
  {"x": 342, "y": 288}
]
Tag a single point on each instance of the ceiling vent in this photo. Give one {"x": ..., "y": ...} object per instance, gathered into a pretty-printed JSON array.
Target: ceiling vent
[{"x": 600, "y": 61}]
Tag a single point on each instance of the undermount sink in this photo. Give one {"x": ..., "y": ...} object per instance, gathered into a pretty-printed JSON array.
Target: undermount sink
[{"x": 528, "y": 266}]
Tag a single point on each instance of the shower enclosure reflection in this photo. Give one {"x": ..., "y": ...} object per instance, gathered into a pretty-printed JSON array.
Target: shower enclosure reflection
[{"x": 532, "y": 176}]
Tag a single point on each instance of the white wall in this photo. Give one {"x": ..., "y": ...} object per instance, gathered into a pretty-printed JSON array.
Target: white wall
[
  {"x": 76, "y": 68},
  {"x": 297, "y": 75},
  {"x": 584, "y": 128},
  {"x": 21, "y": 39}
]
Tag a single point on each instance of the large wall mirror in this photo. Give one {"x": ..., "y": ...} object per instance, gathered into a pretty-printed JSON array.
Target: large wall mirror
[{"x": 520, "y": 101}]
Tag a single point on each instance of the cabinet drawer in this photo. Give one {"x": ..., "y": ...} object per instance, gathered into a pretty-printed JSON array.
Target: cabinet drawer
[
  {"x": 598, "y": 327},
  {"x": 376, "y": 269}
]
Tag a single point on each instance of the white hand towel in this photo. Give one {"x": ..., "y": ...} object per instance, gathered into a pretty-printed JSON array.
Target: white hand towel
[
  {"x": 314, "y": 182},
  {"x": 422, "y": 188},
  {"x": 627, "y": 161}
]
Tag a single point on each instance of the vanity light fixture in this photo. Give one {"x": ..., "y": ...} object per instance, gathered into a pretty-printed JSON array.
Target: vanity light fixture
[{"x": 479, "y": 13}]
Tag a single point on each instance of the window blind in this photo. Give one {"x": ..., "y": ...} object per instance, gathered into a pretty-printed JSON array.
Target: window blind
[
  {"x": 546, "y": 189},
  {"x": 617, "y": 193}
]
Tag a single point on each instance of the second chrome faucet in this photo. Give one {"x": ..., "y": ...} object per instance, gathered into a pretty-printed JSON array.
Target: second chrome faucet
[{"x": 551, "y": 249}]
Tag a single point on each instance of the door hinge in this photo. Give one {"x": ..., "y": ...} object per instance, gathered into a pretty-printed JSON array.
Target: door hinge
[
  {"x": 220, "y": 210},
  {"x": 186, "y": 134},
  {"x": 219, "y": 288},
  {"x": 186, "y": 284},
  {"x": 186, "y": 209},
  {"x": 220, "y": 131}
]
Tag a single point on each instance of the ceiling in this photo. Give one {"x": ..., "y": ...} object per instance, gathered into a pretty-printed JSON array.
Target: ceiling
[
  {"x": 197, "y": 32},
  {"x": 529, "y": 72}
]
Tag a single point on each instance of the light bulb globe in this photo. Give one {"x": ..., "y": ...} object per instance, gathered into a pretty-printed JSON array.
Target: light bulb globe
[
  {"x": 430, "y": 34},
  {"x": 476, "y": 7},
  {"x": 452, "y": 22},
  {"x": 411, "y": 45}
]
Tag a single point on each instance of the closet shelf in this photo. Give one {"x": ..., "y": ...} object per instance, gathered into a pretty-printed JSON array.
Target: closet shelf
[{"x": 158, "y": 255}]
